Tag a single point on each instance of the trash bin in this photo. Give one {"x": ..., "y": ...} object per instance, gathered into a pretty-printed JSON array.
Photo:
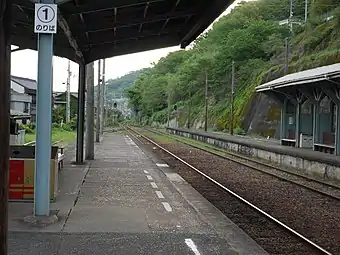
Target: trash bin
[{"x": 21, "y": 172}]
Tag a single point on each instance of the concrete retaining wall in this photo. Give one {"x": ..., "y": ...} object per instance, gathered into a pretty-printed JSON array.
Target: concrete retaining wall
[{"x": 327, "y": 167}]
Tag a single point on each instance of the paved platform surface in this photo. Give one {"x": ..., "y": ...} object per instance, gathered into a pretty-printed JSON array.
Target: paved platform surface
[{"x": 127, "y": 202}]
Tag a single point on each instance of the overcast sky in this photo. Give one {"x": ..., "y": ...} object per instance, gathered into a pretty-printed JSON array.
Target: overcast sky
[{"x": 24, "y": 64}]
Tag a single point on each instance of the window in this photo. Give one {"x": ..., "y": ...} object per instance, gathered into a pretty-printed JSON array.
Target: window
[
  {"x": 325, "y": 105},
  {"x": 34, "y": 99},
  {"x": 307, "y": 107},
  {"x": 26, "y": 107}
]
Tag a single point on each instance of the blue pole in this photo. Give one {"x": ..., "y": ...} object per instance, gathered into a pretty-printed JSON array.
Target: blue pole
[{"x": 43, "y": 126}]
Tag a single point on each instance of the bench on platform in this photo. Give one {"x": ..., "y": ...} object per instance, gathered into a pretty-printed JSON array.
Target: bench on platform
[
  {"x": 61, "y": 157},
  {"x": 288, "y": 142},
  {"x": 324, "y": 148}
]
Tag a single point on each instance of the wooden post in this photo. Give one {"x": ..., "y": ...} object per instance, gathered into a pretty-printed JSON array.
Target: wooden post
[{"x": 5, "y": 65}]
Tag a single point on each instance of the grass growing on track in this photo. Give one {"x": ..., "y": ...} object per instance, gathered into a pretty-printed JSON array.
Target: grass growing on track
[
  {"x": 198, "y": 144},
  {"x": 67, "y": 137},
  {"x": 156, "y": 137}
]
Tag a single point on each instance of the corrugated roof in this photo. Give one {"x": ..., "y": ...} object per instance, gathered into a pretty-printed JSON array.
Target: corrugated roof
[
  {"x": 25, "y": 82},
  {"x": 94, "y": 29},
  {"x": 303, "y": 77}
]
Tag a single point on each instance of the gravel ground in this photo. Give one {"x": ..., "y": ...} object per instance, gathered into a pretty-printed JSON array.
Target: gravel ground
[{"x": 309, "y": 213}]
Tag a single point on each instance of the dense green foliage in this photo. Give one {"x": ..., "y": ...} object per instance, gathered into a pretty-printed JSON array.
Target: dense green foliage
[
  {"x": 59, "y": 113},
  {"x": 115, "y": 87},
  {"x": 252, "y": 37}
]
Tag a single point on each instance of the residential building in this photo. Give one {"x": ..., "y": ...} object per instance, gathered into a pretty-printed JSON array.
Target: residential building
[
  {"x": 25, "y": 87},
  {"x": 21, "y": 102},
  {"x": 59, "y": 100}
]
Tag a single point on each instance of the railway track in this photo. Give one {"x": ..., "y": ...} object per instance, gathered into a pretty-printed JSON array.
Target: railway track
[
  {"x": 308, "y": 182},
  {"x": 271, "y": 233}
]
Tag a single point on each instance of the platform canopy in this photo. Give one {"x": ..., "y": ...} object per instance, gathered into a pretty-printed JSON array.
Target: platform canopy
[
  {"x": 94, "y": 29},
  {"x": 316, "y": 76}
]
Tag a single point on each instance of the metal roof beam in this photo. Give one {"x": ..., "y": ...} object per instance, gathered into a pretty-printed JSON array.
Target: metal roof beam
[
  {"x": 66, "y": 29},
  {"x": 172, "y": 11},
  {"x": 145, "y": 13},
  {"x": 106, "y": 5},
  {"x": 149, "y": 19},
  {"x": 99, "y": 41},
  {"x": 55, "y": 1},
  {"x": 73, "y": 43},
  {"x": 128, "y": 48}
]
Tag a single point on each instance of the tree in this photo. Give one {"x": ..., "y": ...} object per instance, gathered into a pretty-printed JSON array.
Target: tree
[{"x": 252, "y": 37}]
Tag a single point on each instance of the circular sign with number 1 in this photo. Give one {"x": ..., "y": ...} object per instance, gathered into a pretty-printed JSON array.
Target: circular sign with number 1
[{"x": 46, "y": 14}]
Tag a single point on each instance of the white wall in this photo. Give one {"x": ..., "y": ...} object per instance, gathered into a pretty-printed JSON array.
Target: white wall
[{"x": 17, "y": 88}]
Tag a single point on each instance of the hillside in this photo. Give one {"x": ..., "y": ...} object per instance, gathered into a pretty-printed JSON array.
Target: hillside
[
  {"x": 252, "y": 37},
  {"x": 116, "y": 87}
]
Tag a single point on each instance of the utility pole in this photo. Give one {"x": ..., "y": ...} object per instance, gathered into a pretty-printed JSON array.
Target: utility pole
[
  {"x": 68, "y": 92},
  {"x": 5, "y": 73},
  {"x": 306, "y": 11},
  {"x": 89, "y": 150},
  {"x": 189, "y": 109},
  {"x": 232, "y": 97},
  {"x": 286, "y": 55},
  {"x": 291, "y": 17},
  {"x": 206, "y": 102},
  {"x": 99, "y": 92},
  {"x": 168, "y": 109},
  {"x": 103, "y": 101}
]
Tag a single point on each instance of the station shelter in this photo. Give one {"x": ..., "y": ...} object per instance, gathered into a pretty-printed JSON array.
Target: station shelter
[{"x": 310, "y": 108}]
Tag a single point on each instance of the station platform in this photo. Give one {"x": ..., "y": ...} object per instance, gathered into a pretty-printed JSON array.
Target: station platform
[
  {"x": 127, "y": 201},
  {"x": 318, "y": 164}
]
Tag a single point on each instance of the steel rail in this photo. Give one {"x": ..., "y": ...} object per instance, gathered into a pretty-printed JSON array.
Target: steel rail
[
  {"x": 230, "y": 155},
  {"x": 319, "y": 248}
]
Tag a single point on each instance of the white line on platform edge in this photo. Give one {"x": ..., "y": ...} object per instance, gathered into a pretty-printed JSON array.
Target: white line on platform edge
[
  {"x": 146, "y": 172},
  {"x": 192, "y": 246},
  {"x": 154, "y": 185},
  {"x": 167, "y": 206},
  {"x": 149, "y": 177},
  {"x": 159, "y": 194},
  {"x": 161, "y": 165}
]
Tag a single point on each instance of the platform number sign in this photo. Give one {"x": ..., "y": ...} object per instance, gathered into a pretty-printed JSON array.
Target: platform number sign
[{"x": 45, "y": 20}]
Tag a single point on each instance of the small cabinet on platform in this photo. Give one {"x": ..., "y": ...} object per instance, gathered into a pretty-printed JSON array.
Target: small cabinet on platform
[
  {"x": 306, "y": 141},
  {"x": 21, "y": 172}
]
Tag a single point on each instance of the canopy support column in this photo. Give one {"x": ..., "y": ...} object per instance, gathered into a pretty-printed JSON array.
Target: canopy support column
[
  {"x": 44, "y": 124},
  {"x": 300, "y": 98},
  {"x": 98, "y": 113},
  {"x": 89, "y": 153},
  {"x": 337, "y": 130},
  {"x": 81, "y": 114},
  {"x": 283, "y": 130},
  {"x": 297, "y": 124},
  {"x": 316, "y": 122},
  {"x": 5, "y": 66}
]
